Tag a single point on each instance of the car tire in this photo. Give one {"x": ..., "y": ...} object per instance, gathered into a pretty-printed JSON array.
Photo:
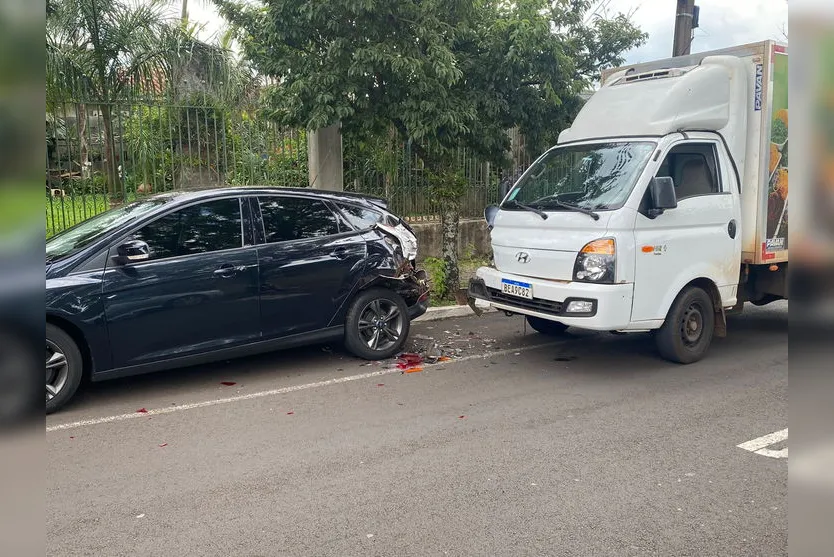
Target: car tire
[
  {"x": 689, "y": 327},
  {"x": 375, "y": 317},
  {"x": 545, "y": 326},
  {"x": 65, "y": 368}
]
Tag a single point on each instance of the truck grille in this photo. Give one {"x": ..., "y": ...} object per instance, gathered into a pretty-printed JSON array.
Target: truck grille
[{"x": 536, "y": 304}]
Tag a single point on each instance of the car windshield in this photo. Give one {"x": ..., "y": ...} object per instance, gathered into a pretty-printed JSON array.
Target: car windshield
[
  {"x": 591, "y": 177},
  {"x": 82, "y": 234}
]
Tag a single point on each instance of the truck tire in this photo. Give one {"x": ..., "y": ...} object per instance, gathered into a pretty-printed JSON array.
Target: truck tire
[
  {"x": 689, "y": 327},
  {"x": 545, "y": 326}
]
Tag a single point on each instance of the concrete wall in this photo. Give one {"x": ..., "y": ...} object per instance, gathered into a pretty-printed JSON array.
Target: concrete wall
[{"x": 473, "y": 235}]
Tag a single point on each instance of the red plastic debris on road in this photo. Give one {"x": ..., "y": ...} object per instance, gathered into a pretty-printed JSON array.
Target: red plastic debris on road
[
  {"x": 461, "y": 417},
  {"x": 228, "y": 383},
  {"x": 163, "y": 445},
  {"x": 380, "y": 384},
  {"x": 142, "y": 411},
  {"x": 409, "y": 360},
  {"x": 290, "y": 413}
]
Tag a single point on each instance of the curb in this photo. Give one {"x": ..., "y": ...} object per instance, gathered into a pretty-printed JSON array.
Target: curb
[{"x": 448, "y": 312}]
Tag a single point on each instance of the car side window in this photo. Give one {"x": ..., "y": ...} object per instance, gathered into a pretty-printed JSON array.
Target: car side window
[
  {"x": 694, "y": 169},
  {"x": 360, "y": 218},
  {"x": 296, "y": 218},
  {"x": 206, "y": 227}
]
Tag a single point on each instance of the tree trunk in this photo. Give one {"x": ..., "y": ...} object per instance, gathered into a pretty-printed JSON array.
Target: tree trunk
[
  {"x": 83, "y": 145},
  {"x": 450, "y": 221},
  {"x": 110, "y": 163}
]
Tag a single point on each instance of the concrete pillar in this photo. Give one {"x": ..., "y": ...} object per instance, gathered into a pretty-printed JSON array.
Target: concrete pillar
[{"x": 324, "y": 158}]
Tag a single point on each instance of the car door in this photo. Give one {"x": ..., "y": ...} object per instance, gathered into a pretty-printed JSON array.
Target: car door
[
  {"x": 701, "y": 237},
  {"x": 310, "y": 262},
  {"x": 198, "y": 292}
]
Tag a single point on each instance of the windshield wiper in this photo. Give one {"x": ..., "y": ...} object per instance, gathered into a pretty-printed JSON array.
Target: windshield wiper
[
  {"x": 593, "y": 214},
  {"x": 513, "y": 203}
]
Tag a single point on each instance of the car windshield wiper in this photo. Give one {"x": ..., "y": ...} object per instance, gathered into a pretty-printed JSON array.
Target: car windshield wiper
[
  {"x": 593, "y": 214},
  {"x": 512, "y": 203}
]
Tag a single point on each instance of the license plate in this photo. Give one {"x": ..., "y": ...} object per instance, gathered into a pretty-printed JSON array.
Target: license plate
[{"x": 518, "y": 289}]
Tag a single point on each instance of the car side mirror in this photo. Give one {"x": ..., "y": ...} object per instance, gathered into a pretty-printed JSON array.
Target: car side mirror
[
  {"x": 489, "y": 215},
  {"x": 133, "y": 251},
  {"x": 662, "y": 191}
]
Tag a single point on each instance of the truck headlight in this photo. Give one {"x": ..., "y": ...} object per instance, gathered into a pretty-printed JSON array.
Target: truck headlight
[{"x": 596, "y": 262}]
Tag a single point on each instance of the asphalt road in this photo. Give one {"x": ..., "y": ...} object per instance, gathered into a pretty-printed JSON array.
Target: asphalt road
[{"x": 586, "y": 445}]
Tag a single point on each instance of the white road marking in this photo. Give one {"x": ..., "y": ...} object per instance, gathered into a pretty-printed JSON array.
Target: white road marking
[
  {"x": 758, "y": 445},
  {"x": 284, "y": 390}
]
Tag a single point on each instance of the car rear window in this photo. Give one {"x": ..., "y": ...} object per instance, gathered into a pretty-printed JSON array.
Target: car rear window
[
  {"x": 360, "y": 218},
  {"x": 296, "y": 218}
]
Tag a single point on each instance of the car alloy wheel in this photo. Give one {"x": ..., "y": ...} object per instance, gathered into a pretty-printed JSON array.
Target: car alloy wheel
[
  {"x": 381, "y": 324},
  {"x": 57, "y": 370}
]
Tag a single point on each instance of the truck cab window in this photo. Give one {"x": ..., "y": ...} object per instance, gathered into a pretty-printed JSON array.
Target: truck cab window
[{"x": 694, "y": 169}]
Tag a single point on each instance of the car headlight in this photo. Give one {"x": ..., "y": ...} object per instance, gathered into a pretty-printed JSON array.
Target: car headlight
[{"x": 596, "y": 262}]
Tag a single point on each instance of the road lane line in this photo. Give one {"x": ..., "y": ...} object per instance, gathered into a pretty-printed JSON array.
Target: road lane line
[
  {"x": 286, "y": 390},
  {"x": 757, "y": 446},
  {"x": 765, "y": 440}
]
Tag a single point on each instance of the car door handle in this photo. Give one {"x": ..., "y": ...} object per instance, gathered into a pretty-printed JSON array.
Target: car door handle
[
  {"x": 227, "y": 271},
  {"x": 340, "y": 252}
]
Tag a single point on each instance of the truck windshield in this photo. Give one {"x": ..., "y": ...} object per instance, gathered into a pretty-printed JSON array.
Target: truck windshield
[{"x": 582, "y": 177}]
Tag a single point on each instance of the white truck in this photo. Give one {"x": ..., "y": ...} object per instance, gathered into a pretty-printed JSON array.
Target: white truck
[{"x": 662, "y": 207}]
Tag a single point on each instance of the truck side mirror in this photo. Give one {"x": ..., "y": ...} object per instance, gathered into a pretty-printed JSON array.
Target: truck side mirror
[
  {"x": 662, "y": 190},
  {"x": 489, "y": 215}
]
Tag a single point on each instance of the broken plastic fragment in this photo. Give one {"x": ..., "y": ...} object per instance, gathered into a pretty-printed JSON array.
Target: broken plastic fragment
[
  {"x": 461, "y": 417},
  {"x": 142, "y": 411},
  {"x": 163, "y": 445},
  {"x": 414, "y": 370},
  {"x": 380, "y": 384},
  {"x": 290, "y": 413},
  {"x": 228, "y": 383}
]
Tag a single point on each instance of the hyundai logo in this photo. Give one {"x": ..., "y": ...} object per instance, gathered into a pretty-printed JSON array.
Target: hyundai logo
[{"x": 522, "y": 257}]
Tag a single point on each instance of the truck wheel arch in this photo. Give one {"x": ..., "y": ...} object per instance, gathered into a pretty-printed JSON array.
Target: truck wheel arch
[{"x": 711, "y": 289}]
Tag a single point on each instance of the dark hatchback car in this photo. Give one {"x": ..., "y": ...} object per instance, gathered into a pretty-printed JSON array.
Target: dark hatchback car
[{"x": 191, "y": 277}]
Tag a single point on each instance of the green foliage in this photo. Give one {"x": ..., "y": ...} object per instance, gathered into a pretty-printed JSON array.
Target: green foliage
[
  {"x": 436, "y": 269},
  {"x": 262, "y": 155},
  {"x": 443, "y": 74}
]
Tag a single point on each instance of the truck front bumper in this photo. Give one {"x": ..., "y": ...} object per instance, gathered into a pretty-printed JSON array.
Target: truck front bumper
[{"x": 610, "y": 303}]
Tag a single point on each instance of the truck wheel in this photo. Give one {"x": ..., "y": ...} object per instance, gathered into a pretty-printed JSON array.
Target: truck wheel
[
  {"x": 64, "y": 368},
  {"x": 687, "y": 332},
  {"x": 545, "y": 326},
  {"x": 377, "y": 324}
]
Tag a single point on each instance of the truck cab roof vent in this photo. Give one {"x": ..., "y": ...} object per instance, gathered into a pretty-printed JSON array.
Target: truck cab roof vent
[{"x": 649, "y": 76}]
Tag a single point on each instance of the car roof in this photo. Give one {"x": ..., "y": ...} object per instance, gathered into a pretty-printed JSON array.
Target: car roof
[{"x": 207, "y": 193}]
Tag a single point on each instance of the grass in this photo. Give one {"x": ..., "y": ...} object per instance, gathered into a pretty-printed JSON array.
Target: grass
[{"x": 65, "y": 212}]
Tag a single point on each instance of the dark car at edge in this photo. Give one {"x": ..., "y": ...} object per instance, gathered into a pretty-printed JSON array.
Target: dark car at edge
[{"x": 187, "y": 278}]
